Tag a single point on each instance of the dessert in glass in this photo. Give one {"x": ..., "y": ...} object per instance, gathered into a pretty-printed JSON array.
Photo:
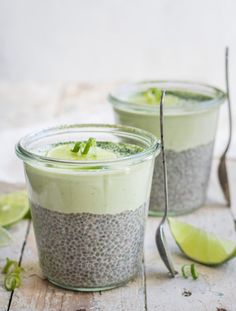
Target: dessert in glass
[
  {"x": 190, "y": 122},
  {"x": 89, "y": 188}
]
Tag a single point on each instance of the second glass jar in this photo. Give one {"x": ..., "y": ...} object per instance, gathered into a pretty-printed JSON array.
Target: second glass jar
[{"x": 190, "y": 122}]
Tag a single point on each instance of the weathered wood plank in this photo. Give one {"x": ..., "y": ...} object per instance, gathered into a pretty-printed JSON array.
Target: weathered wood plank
[
  {"x": 216, "y": 286},
  {"x": 37, "y": 294},
  {"x": 213, "y": 289},
  {"x": 126, "y": 298},
  {"x": 12, "y": 251}
]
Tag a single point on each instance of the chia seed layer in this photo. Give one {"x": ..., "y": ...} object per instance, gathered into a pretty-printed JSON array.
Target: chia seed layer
[
  {"x": 188, "y": 175},
  {"x": 84, "y": 250}
]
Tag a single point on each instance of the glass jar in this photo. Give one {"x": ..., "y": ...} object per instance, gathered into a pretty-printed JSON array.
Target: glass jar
[
  {"x": 190, "y": 122},
  {"x": 89, "y": 216}
]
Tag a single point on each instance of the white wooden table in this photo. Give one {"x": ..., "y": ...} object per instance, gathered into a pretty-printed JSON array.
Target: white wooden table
[{"x": 152, "y": 289}]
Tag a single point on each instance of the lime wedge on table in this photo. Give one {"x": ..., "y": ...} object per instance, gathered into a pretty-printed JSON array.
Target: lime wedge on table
[
  {"x": 5, "y": 237},
  {"x": 13, "y": 207},
  {"x": 201, "y": 246}
]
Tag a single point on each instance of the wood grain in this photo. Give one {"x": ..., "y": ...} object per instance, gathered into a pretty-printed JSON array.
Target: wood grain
[{"x": 215, "y": 286}]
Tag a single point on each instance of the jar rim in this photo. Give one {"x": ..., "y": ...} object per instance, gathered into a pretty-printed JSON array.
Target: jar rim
[
  {"x": 24, "y": 153},
  {"x": 114, "y": 97}
]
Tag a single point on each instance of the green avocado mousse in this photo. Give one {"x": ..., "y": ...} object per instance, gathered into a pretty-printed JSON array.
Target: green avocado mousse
[
  {"x": 190, "y": 121},
  {"x": 89, "y": 188}
]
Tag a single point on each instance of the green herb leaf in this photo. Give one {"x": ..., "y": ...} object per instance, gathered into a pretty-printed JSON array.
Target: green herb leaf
[
  {"x": 189, "y": 270},
  {"x": 90, "y": 143},
  {"x": 76, "y": 147}
]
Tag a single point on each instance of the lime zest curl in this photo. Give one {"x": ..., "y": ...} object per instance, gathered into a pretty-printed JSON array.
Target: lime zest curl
[
  {"x": 189, "y": 270},
  {"x": 183, "y": 270},
  {"x": 12, "y": 281},
  {"x": 90, "y": 143},
  {"x": 12, "y": 271},
  {"x": 76, "y": 147},
  {"x": 8, "y": 266},
  {"x": 194, "y": 271},
  {"x": 84, "y": 147}
]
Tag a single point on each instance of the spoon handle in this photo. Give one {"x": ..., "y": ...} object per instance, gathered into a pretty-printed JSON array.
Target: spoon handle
[
  {"x": 222, "y": 168},
  {"x": 228, "y": 98},
  {"x": 163, "y": 157}
]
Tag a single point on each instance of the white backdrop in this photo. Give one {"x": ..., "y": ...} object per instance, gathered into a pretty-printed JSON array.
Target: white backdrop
[
  {"x": 96, "y": 40},
  {"x": 56, "y": 41}
]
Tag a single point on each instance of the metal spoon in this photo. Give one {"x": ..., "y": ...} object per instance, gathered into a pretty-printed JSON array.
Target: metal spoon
[
  {"x": 222, "y": 169},
  {"x": 160, "y": 236}
]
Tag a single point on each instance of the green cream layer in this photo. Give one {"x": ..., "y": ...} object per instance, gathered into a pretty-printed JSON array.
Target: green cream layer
[
  {"x": 186, "y": 126},
  {"x": 98, "y": 191},
  {"x": 182, "y": 131}
]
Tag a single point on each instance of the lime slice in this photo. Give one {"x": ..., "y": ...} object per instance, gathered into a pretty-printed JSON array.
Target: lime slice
[
  {"x": 201, "y": 246},
  {"x": 5, "y": 237},
  {"x": 13, "y": 207},
  {"x": 64, "y": 152}
]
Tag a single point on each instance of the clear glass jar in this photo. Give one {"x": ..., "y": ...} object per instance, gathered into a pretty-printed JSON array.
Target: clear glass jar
[
  {"x": 190, "y": 122},
  {"x": 89, "y": 216}
]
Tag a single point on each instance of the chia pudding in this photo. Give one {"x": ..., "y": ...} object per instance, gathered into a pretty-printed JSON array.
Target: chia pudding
[
  {"x": 188, "y": 175},
  {"x": 93, "y": 250},
  {"x": 89, "y": 209},
  {"x": 190, "y": 122}
]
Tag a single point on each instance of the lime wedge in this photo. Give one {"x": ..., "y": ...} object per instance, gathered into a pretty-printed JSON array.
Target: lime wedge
[
  {"x": 5, "y": 237},
  {"x": 13, "y": 207},
  {"x": 201, "y": 246}
]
